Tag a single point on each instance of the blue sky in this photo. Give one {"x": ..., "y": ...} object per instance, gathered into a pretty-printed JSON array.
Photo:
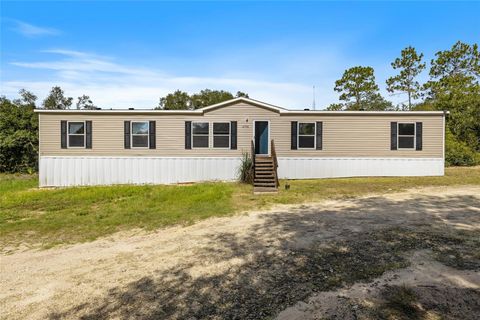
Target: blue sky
[{"x": 128, "y": 54}]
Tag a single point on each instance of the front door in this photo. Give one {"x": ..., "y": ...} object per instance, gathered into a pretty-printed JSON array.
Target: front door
[{"x": 261, "y": 137}]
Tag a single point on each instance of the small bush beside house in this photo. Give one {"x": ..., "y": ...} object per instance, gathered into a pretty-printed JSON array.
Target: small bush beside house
[{"x": 458, "y": 153}]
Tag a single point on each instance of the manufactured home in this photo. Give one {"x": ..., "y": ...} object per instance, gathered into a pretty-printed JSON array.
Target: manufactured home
[{"x": 101, "y": 147}]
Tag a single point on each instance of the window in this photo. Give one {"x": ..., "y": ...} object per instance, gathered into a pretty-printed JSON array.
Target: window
[
  {"x": 200, "y": 132},
  {"x": 221, "y": 135},
  {"x": 406, "y": 136},
  {"x": 76, "y": 134},
  {"x": 140, "y": 134},
  {"x": 306, "y": 135}
]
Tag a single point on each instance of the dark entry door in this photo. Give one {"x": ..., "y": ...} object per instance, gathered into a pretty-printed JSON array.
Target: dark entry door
[{"x": 261, "y": 137}]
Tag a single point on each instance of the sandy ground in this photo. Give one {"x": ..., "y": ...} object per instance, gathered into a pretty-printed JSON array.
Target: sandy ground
[
  {"x": 103, "y": 278},
  {"x": 424, "y": 273}
]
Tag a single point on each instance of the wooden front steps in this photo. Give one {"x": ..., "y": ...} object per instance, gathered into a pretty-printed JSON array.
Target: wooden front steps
[{"x": 264, "y": 175}]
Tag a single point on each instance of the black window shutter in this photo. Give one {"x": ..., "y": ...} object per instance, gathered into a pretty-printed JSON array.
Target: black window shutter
[
  {"x": 319, "y": 135},
  {"x": 233, "y": 135},
  {"x": 126, "y": 139},
  {"x": 152, "y": 131},
  {"x": 294, "y": 136},
  {"x": 419, "y": 135},
  {"x": 88, "y": 132},
  {"x": 393, "y": 136},
  {"x": 63, "y": 134},
  {"x": 188, "y": 134}
]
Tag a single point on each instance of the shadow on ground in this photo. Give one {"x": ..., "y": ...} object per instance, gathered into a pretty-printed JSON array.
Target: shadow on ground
[
  {"x": 413, "y": 303},
  {"x": 298, "y": 252}
]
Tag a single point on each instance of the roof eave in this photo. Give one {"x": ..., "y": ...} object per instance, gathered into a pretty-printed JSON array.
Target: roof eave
[
  {"x": 198, "y": 111},
  {"x": 324, "y": 112}
]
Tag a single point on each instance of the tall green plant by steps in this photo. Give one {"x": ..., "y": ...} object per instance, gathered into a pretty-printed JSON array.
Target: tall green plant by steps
[{"x": 245, "y": 170}]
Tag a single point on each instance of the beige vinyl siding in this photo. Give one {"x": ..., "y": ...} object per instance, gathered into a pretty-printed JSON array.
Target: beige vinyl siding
[{"x": 343, "y": 136}]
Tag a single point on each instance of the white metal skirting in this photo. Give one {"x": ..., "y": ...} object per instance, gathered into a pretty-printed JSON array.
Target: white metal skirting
[
  {"x": 75, "y": 171},
  {"x": 312, "y": 168}
]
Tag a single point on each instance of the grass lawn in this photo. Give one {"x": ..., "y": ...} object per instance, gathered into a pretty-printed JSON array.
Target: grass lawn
[{"x": 48, "y": 217}]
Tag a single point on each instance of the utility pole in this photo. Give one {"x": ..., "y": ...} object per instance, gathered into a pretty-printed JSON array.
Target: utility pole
[{"x": 313, "y": 104}]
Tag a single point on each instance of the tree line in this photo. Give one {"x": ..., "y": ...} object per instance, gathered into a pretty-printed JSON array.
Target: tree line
[
  {"x": 453, "y": 85},
  {"x": 180, "y": 100}
]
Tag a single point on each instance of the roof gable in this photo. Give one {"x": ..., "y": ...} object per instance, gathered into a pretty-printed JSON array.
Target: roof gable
[{"x": 252, "y": 102}]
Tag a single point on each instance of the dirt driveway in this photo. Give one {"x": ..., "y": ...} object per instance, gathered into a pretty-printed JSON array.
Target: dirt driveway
[{"x": 413, "y": 253}]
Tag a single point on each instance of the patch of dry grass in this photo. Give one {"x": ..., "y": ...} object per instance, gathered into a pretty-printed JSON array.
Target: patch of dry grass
[
  {"x": 68, "y": 215},
  {"x": 302, "y": 191}
]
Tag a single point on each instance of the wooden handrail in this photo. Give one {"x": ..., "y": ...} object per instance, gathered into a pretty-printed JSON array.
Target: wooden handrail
[
  {"x": 253, "y": 154},
  {"x": 252, "y": 168},
  {"x": 275, "y": 162}
]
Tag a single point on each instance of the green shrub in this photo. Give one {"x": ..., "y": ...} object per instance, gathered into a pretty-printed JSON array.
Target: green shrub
[
  {"x": 458, "y": 153},
  {"x": 245, "y": 171},
  {"x": 18, "y": 137}
]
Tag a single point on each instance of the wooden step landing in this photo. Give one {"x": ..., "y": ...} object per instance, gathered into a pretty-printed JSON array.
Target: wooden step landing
[{"x": 265, "y": 190}]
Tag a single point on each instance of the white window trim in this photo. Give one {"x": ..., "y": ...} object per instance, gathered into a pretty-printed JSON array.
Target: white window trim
[
  {"x": 77, "y": 134},
  {"x": 222, "y": 134},
  {"x": 407, "y": 135},
  {"x": 208, "y": 135},
  {"x": 307, "y": 135},
  {"x": 132, "y": 134}
]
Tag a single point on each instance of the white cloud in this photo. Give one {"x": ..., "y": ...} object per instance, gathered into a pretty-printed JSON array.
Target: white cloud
[
  {"x": 82, "y": 62},
  {"x": 279, "y": 72},
  {"x": 286, "y": 79},
  {"x": 31, "y": 30},
  {"x": 123, "y": 94},
  {"x": 71, "y": 53},
  {"x": 114, "y": 85}
]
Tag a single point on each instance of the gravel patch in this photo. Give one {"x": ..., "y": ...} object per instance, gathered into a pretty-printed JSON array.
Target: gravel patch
[{"x": 249, "y": 266}]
